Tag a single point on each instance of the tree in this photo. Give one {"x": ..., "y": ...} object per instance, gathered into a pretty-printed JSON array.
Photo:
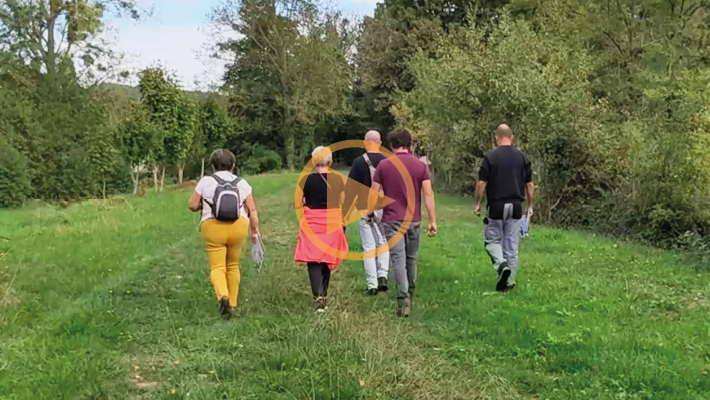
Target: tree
[
  {"x": 178, "y": 141},
  {"x": 60, "y": 125},
  {"x": 50, "y": 34},
  {"x": 161, "y": 100},
  {"x": 288, "y": 72},
  {"x": 14, "y": 180},
  {"x": 402, "y": 28},
  {"x": 138, "y": 138},
  {"x": 214, "y": 126}
]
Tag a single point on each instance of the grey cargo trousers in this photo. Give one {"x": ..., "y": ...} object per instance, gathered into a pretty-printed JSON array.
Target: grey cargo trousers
[
  {"x": 502, "y": 237},
  {"x": 403, "y": 257}
]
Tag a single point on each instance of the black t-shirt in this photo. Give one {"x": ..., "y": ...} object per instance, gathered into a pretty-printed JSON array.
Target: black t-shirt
[
  {"x": 507, "y": 171},
  {"x": 318, "y": 194},
  {"x": 360, "y": 172}
]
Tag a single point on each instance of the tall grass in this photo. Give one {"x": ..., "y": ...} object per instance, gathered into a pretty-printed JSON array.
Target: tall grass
[{"x": 112, "y": 301}]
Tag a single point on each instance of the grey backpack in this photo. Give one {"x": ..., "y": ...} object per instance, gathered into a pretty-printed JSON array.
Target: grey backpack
[{"x": 226, "y": 201}]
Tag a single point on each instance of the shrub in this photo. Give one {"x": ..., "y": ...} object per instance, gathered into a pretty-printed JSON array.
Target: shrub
[
  {"x": 14, "y": 180},
  {"x": 75, "y": 178},
  {"x": 261, "y": 160}
]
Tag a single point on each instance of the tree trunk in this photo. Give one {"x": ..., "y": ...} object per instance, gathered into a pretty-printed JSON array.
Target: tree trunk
[
  {"x": 50, "y": 60},
  {"x": 155, "y": 177},
  {"x": 135, "y": 177},
  {"x": 181, "y": 169},
  {"x": 202, "y": 172},
  {"x": 104, "y": 190},
  {"x": 290, "y": 143},
  {"x": 162, "y": 179},
  {"x": 290, "y": 138}
]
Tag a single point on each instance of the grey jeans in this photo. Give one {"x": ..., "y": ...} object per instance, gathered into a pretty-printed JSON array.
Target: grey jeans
[
  {"x": 403, "y": 257},
  {"x": 502, "y": 237}
]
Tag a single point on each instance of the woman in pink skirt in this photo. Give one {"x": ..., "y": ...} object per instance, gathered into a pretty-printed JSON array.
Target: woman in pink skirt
[{"x": 323, "y": 194}]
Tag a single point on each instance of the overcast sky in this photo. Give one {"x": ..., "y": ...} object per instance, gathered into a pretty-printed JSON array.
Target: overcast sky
[{"x": 175, "y": 36}]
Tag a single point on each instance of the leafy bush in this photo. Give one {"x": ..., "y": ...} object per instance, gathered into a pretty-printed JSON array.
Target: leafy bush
[
  {"x": 618, "y": 138},
  {"x": 261, "y": 160},
  {"x": 75, "y": 179},
  {"x": 14, "y": 180}
]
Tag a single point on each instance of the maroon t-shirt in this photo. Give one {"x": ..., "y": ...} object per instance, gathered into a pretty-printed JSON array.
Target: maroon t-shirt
[{"x": 394, "y": 187}]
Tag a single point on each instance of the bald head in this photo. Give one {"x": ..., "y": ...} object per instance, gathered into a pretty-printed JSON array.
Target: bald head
[
  {"x": 373, "y": 136},
  {"x": 504, "y": 135},
  {"x": 373, "y": 140}
]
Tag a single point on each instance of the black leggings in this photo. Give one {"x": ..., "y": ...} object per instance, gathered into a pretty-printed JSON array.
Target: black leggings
[{"x": 319, "y": 274}]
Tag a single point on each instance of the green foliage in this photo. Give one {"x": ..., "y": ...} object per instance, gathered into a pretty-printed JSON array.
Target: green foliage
[
  {"x": 400, "y": 29},
  {"x": 290, "y": 70},
  {"x": 160, "y": 98},
  {"x": 608, "y": 98},
  {"x": 58, "y": 133},
  {"x": 178, "y": 141},
  {"x": 139, "y": 138},
  {"x": 214, "y": 125},
  {"x": 261, "y": 160},
  {"x": 14, "y": 180},
  {"x": 616, "y": 128},
  {"x": 49, "y": 35}
]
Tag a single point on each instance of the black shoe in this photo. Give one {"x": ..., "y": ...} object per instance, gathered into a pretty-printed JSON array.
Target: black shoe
[
  {"x": 382, "y": 284},
  {"x": 321, "y": 304},
  {"x": 372, "y": 292},
  {"x": 503, "y": 275},
  {"x": 224, "y": 308}
]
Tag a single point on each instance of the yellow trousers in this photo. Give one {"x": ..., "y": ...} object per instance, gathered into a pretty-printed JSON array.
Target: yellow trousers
[{"x": 224, "y": 242}]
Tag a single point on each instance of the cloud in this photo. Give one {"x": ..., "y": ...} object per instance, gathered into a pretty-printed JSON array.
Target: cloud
[{"x": 179, "y": 48}]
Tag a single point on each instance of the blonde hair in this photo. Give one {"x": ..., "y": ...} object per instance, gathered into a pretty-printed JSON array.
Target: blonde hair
[{"x": 325, "y": 161}]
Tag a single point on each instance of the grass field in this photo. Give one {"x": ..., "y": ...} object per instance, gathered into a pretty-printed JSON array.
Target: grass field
[{"x": 111, "y": 300}]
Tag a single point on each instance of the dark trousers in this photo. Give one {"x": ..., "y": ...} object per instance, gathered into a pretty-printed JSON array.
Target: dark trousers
[{"x": 319, "y": 274}]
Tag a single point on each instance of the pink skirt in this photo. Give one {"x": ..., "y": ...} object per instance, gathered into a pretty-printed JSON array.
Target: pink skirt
[{"x": 320, "y": 222}]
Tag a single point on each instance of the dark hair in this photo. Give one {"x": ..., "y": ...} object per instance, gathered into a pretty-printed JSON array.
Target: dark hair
[
  {"x": 223, "y": 160},
  {"x": 400, "y": 138}
]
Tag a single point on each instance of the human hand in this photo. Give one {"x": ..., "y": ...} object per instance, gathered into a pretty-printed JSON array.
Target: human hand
[
  {"x": 432, "y": 229},
  {"x": 254, "y": 237},
  {"x": 478, "y": 210}
]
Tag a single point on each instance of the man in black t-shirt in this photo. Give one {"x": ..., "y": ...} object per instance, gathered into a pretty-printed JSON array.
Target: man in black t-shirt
[
  {"x": 505, "y": 178},
  {"x": 371, "y": 233}
]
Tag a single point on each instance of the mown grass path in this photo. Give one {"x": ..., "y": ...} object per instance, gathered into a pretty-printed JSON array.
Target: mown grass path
[{"x": 112, "y": 301}]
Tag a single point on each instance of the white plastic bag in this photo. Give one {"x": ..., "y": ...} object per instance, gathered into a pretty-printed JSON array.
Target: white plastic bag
[
  {"x": 258, "y": 253},
  {"x": 525, "y": 224}
]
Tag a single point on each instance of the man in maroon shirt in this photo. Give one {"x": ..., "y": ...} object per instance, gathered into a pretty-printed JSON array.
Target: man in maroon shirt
[{"x": 403, "y": 254}]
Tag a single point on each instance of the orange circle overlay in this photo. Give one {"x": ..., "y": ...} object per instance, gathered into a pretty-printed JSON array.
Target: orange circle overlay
[{"x": 346, "y": 255}]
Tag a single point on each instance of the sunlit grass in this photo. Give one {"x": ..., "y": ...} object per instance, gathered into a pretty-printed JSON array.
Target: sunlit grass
[{"x": 110, "y": 300}]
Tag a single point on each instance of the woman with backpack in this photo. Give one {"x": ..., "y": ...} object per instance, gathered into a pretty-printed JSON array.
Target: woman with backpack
[
  {"x": 228, "y": 210},
  {"x": 323, "y": 194}
]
